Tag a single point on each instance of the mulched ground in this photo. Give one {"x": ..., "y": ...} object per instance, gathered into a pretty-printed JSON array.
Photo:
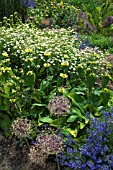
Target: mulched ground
[{"x": 14, "y": 158}]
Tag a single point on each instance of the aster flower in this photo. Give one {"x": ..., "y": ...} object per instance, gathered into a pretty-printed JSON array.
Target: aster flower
[{"x": 59, "y": 106}]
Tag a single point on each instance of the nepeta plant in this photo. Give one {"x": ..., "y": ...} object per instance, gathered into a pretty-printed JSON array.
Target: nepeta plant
[{"x": 96, "y": 152}]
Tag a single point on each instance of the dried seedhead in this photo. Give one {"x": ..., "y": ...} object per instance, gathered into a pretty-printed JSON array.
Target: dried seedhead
[
  {"x": 45, "y": 145},
  {"x": 82, "y": 16},
  {"x": 59, "y": 106},
  {"x": 108, "y": 21},
  {"x": 21, "y": 128}
]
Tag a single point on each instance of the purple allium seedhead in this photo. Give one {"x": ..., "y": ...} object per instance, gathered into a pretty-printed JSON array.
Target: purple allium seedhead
[
  {"x": 59, "y": 106},
  {"x": 21, "y": 128},
  {"x": 45, "y": 145},
  {"x": 51, "y": 143},
  {"x": 36, "y": 155}
]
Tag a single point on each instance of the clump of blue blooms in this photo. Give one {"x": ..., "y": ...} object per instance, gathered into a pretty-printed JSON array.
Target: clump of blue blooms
[{"x": 96, "y": 153}]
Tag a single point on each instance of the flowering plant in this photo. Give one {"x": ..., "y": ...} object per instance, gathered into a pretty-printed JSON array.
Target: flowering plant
[
  {"x": 33, "y": 72},
  {"x": 96, "y": 150}
]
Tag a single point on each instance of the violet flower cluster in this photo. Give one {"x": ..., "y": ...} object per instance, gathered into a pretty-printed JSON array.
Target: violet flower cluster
[
  {"x": 97, "y": 151},
  {"x": 21, "y": 128},
  {"x": 47, "y": 143},
  {"x": 59, "y": 106}
]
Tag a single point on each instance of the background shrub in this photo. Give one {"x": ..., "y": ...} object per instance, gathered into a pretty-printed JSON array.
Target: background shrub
[{"x": 8, "y": 7}]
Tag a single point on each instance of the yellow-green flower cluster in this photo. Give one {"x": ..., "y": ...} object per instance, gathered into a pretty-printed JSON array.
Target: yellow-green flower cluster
[
  {"x": 47, "y": 53},
  {"x": 5, "y": 54},
  {"x": 64, "y": 76},
  {"x": 64, "y": 63},
  {"x": 47, "y": 64},
  {"x": 28, "y": 50}
]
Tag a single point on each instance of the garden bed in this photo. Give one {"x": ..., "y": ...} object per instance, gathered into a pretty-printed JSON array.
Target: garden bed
[{"x": 13, "y": 157}]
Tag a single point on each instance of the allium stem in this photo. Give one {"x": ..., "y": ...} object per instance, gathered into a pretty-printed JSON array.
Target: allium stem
[
  {"x": 26, "y": 142},
  {"x": 58, "y": 165}
]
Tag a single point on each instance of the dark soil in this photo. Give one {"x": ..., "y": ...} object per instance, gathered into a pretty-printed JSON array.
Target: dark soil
[{"x": 14, "y": 158}]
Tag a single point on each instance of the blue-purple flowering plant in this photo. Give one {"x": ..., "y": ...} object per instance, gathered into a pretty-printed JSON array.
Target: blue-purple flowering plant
[{"x": 96, "y": 152}]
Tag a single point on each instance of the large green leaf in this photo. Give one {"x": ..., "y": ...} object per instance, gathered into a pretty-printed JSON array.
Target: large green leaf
[
  {"x": 105, "y": 96},
  {"x": 45, "y": 119},
  {"x": 105, "y": 81},
  {"x": 7, "y": 90},
  {"x": 90, "y": 80},
  {"x": 72, "y": 118},
  {"x": 37, "y": 96},
  {"x": 73, "y": 132},
  {"x": 30, "y": 80},
  {"x": 72, "y": 96},
  {"x": 82, "y": 125}
]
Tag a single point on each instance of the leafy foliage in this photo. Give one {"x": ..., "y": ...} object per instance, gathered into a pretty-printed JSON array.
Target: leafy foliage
[
  {"x": 9, "y": 7},
  {"x": 95, "y": 150},
  {"x": 33, "y": 72}
]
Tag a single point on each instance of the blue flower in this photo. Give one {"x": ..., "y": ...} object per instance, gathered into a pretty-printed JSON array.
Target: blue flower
[
  {"x": 90, "y": 164},
  {"x": 69, "y": 150},
  {"x": 99, "y": 161},
  {"x": 96, "y": 152},
  {"x": 72, "y": 164}
]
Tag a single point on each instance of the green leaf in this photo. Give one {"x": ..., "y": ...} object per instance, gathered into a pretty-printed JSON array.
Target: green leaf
[
  {"x": 72, "y": 118},
  {"x": 45, "y": 119},
  {"x": 4, "y": 95},
  {"x": 73, "y": 132},
  {"x": 77, "y": 112},
  {"x": 37, "y": 96},
  {"x": 7, "y": 90},
  {"x": 78, "y": 97},
  {"x": 54, "y": 123},
  {"x": 30, "y": 80},
  {"x": 105, "y": 96},
  {"x": 105, "y": 81},
  {"x": 98, "y": 111},
  {"x": 82, "y": 125},
  {"x": 43, "y": 85},
  {"x": 59, "y": 81},
  {"x": 38, "y": 104},
  {"x": 74, "y": 103},
  {"x": 94, "y": 98},
  {"x": 91, "y": 79}
]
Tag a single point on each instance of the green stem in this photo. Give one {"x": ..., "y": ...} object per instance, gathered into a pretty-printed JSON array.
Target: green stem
[
  {"x": 57, "y": 162},
  {"x": 26, "y": 142}
]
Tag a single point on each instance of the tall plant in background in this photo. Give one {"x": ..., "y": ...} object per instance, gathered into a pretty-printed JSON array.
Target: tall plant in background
[
  {"x": 63, "y": 13},
  {"x": 8, "y": 7},
  {"x": 99, "y": 13}
]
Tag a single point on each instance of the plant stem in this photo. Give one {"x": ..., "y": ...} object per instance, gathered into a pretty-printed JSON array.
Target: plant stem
[{"x": 57, "y": 162}]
